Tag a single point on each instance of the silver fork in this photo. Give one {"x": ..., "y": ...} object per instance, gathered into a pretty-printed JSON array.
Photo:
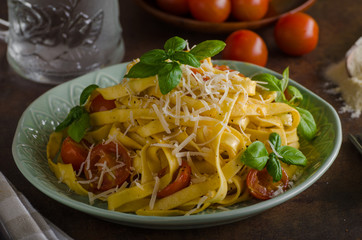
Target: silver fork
[{"x": 356, "y": 139}]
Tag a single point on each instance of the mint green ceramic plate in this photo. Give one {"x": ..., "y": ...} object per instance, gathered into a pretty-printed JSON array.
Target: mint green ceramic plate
[{"x": 44, "y": 114}]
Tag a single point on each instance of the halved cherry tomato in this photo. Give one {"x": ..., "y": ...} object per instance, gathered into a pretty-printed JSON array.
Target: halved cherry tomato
[
  {"x": 118, "y": 168},
  {"x": 247, "y": 46},
  {"x": 227, "y": 68},
  {"x": 296, "y": 34},
  {"x": 73, "y": 153},
  {"x": 223, "y": 67},
  {"x": 100, "y": 104},
  {"x": 261, "y": 184},
  {"x": 177, "y": 7},
  {"x": 249, "y": 10},
  {"x": 210, "y": 10},
  {"x": 182, "y": 180}
]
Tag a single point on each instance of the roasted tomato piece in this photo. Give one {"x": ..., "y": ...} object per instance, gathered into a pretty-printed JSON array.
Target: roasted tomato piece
[
  {"x": 100, "y": 104},
  {"x": 261, "y": 184},
  {"x": 182, "y": 180},
  {"x": 110, "y": 163},
  {"x": 73, "y": 153}
]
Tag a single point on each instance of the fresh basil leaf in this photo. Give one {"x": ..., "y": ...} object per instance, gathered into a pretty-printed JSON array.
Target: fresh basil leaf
[
  {"x": 86, "y": 93},
  {"x": 186, "y": 58},
  {"x": 292, "y": 156},
  {"x": 154, "y": 57},
  {"x": 296, "y": 96},
  {"x": 79, "y": 127},
  {"x": 142, "y": 70},
  {"x": 73, "y": 114},
  {"x": 175, "y": 43},
  {"x": 274, "y": 168},
  {"x": 207, "y": 49},
  {"x": 307, "y": 127},
  {"x": 270, "y": 82},
  {"x": 284, "y": 81},
  {"x": 276, "y": 140},
  {"x": 280, "y": 97},
  {"x": 255, "y": 156},
  {"x": 169, "y": 77}
]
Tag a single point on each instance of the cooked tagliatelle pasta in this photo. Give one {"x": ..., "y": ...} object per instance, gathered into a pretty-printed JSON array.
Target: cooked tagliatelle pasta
[{"x": 185, "y": 144}]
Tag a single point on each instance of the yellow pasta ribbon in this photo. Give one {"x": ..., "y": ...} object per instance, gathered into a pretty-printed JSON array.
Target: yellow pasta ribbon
[{"x": 64, "y": 172}]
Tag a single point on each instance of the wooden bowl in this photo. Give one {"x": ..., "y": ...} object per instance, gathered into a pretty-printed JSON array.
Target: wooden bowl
[{"x": 277, "y": 9}]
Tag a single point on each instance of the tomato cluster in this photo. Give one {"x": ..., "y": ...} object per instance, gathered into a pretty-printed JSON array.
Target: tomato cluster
[
  {"x": 295, "y": 34},
  {"x": 217, "y": 10}
]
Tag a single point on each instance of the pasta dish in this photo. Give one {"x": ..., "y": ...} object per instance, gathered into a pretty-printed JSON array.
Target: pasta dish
[{"x": 178, "y": 153}]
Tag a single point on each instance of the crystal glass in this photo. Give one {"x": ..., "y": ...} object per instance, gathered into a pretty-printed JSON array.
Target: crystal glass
[{"x": 52, "y": 41}]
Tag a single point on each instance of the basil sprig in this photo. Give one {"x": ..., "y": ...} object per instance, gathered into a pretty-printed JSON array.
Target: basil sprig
[
  {"x": 307, "y": 127},
  {"x": 77, "y": 119},
  {"x": 256, "y": 156},
  {"x": 166, "y": 62}
]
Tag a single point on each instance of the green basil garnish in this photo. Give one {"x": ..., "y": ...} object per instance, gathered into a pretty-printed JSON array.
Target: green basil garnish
[
  {"x": 166, "y": 63},
  {"x": 307, "y": 127},
  {"x": 292, "y": 156},
  {"x": 169, "y": 77},
  {"x": 86, "y": 93},
  {"x": 256, "y": 156},
  {"x": 77, "y": 119},
  {"x": 274, "y": 168}
]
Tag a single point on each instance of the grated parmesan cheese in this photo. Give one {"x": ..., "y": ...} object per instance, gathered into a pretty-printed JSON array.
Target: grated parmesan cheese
[
  {"x": 199, "y": 204},
  {"x": 154, "y": 192},
  {"x": 183, "y": 144},
  {"x": 161, "y": 118}
]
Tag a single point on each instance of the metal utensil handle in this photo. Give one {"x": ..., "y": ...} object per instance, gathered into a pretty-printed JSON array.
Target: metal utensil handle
[
  {"x": 4, "y": 33},
  {"x": 357, "y": 141}
]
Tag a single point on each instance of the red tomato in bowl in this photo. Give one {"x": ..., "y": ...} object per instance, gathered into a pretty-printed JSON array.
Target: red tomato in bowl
[
  {"x": 182, "y": 180},
  {"x": 261, "y": 184},
  {"x": 247, "y": 46},
  {"x": 210, "y": 10},
  {"x": 73, "y": 153},
  {"x": 100, "y": 104},
  {"x": 296, "y": 34},
  {"x": 177, "y": 7},
  {"x": 249, "y": 10},
  {"x": 117, "y": 162}
]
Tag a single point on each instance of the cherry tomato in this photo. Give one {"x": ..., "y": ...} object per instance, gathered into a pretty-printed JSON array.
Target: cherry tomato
[
  {"x": 210, "y": 10},
  {"x": 177, "y": 7},
  {"x": 247, "y": 46},
  {"x": 118, "y": 168},
  {"x": 223, "y": 68},
  {"x": 296, "y": 34},
  {"x": 182, "y": 180},
  {"x": 73, "y": 153},
  {"x": 261, "y": 184},
  {"x": 249, "y": 10},
  {"x": 227, "y": 68},
  {"x": 100, "y": 104}
]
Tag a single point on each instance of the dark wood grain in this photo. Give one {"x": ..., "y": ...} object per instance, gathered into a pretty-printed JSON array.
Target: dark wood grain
[{"x": 330, "y": 209}]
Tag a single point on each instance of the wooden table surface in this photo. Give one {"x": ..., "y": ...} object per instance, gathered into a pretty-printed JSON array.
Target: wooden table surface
[{"x": 330, "y": 209}]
